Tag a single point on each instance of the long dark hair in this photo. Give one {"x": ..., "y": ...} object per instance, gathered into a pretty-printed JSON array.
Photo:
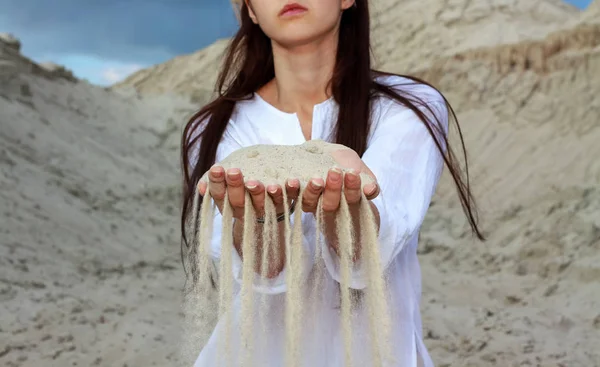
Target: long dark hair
[{"x": 248, "y": 66}]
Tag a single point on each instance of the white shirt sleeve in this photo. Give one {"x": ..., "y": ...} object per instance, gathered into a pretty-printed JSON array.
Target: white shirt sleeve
[{"x": 407, "y": 163}]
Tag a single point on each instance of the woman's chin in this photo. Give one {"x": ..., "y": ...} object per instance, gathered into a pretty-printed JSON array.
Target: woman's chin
[{"x": 294, "y": 37}]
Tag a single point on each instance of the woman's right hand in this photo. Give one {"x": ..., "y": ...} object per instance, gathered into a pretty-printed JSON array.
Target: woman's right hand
[{"x": 232, "y": 182}]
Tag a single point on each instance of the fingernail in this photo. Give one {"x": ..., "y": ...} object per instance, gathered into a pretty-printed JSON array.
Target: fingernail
[
  {"x": 372, "y": 191},
  {"x": 272, "y": 189},
  {"x": 216, "y": 170},
  {"x": 316, "y": 184},
  {"x": 292, "y": 182},
  {"x": 336, "y": 174},
  {"x": 251, "y": 185},
  {"x": 233, "y": 172}
]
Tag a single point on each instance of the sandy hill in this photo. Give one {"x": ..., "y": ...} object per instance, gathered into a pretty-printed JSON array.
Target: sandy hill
[
  {"x": 409, "y": 34},
  {"x": 88, "y": 177},
  {"x": 88, "y": 207},
  {"x": 530, "y": 111},
  {"x": 592, "y": 13}
]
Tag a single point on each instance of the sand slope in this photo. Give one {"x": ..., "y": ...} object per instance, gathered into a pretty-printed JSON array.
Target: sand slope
[
  {"x": 531, "y": 114},
  {"x": 90, "y": 206},
  {"x": 89, "y": 202}
]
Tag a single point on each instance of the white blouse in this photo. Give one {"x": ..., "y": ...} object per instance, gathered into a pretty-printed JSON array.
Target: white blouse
[{"x": 404, "y": 158}]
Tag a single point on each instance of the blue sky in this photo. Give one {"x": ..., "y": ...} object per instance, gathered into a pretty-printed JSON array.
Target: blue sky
[{"x": 105, "y": 40}]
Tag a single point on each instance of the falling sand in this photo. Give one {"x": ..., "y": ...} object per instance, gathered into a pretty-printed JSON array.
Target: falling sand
[{"x": 274, "y": 164}]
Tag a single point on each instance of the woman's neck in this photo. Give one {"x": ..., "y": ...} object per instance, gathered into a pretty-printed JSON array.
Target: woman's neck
[{"x": 302, "y": 74}]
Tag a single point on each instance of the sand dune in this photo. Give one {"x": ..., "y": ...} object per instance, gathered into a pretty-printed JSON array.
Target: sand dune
[
  {"x": 592, "y": 12},
  {"x": 89, "y": 202},
  {"x": 89, "y": 245}
]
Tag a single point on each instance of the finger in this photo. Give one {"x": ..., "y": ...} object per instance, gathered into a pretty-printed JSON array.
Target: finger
[
  {"x": 371, "y": 190},
  {"x": 352, "y": 187},
  {"x": 216, "y": 185},
  {"x": 202, "y": 186},
  {"x": 236, "y": 191},
  {"x": 276, "y": 194},
  {"x": 365, "y": 169},
  {"x": 257, "y": 194},
  {"x": 292, "y": 187},
  {"x": 333, "y": 190},
  {"x": 310, "y": 198}
]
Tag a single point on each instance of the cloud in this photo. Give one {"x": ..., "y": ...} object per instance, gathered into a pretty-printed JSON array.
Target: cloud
[
  {"x": 115, "y": 74},
  {"x": 104, "y": 41},
  {"x": 129, "y": 31},
  {"x": 96, "y": 70}
]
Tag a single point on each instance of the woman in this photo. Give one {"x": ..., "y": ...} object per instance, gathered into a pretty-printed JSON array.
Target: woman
[{"x": 301, "y": 71}]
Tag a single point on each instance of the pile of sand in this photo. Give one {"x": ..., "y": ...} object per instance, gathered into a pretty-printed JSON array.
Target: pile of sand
[
  {"x": 89, "y": 194},
  {"x": 592, "y": 13},
  {"x": 89, "y": 261}
]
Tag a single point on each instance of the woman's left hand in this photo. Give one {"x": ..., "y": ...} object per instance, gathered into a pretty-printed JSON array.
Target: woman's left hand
[{"x": 338, "y": 183}]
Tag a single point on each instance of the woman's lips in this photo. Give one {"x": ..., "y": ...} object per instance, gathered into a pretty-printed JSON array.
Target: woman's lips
[{"x": 292, "y": 10}]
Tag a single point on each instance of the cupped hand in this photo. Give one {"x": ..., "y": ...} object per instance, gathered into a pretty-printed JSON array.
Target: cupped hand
[
  {"x": 338, "y": 182},
  {"x": 335, "y": 185},
  {"x": 232, "y": 183}
]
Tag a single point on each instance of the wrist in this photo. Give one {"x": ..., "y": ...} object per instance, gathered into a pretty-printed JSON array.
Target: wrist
[{"x": 280, "y": 217}]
